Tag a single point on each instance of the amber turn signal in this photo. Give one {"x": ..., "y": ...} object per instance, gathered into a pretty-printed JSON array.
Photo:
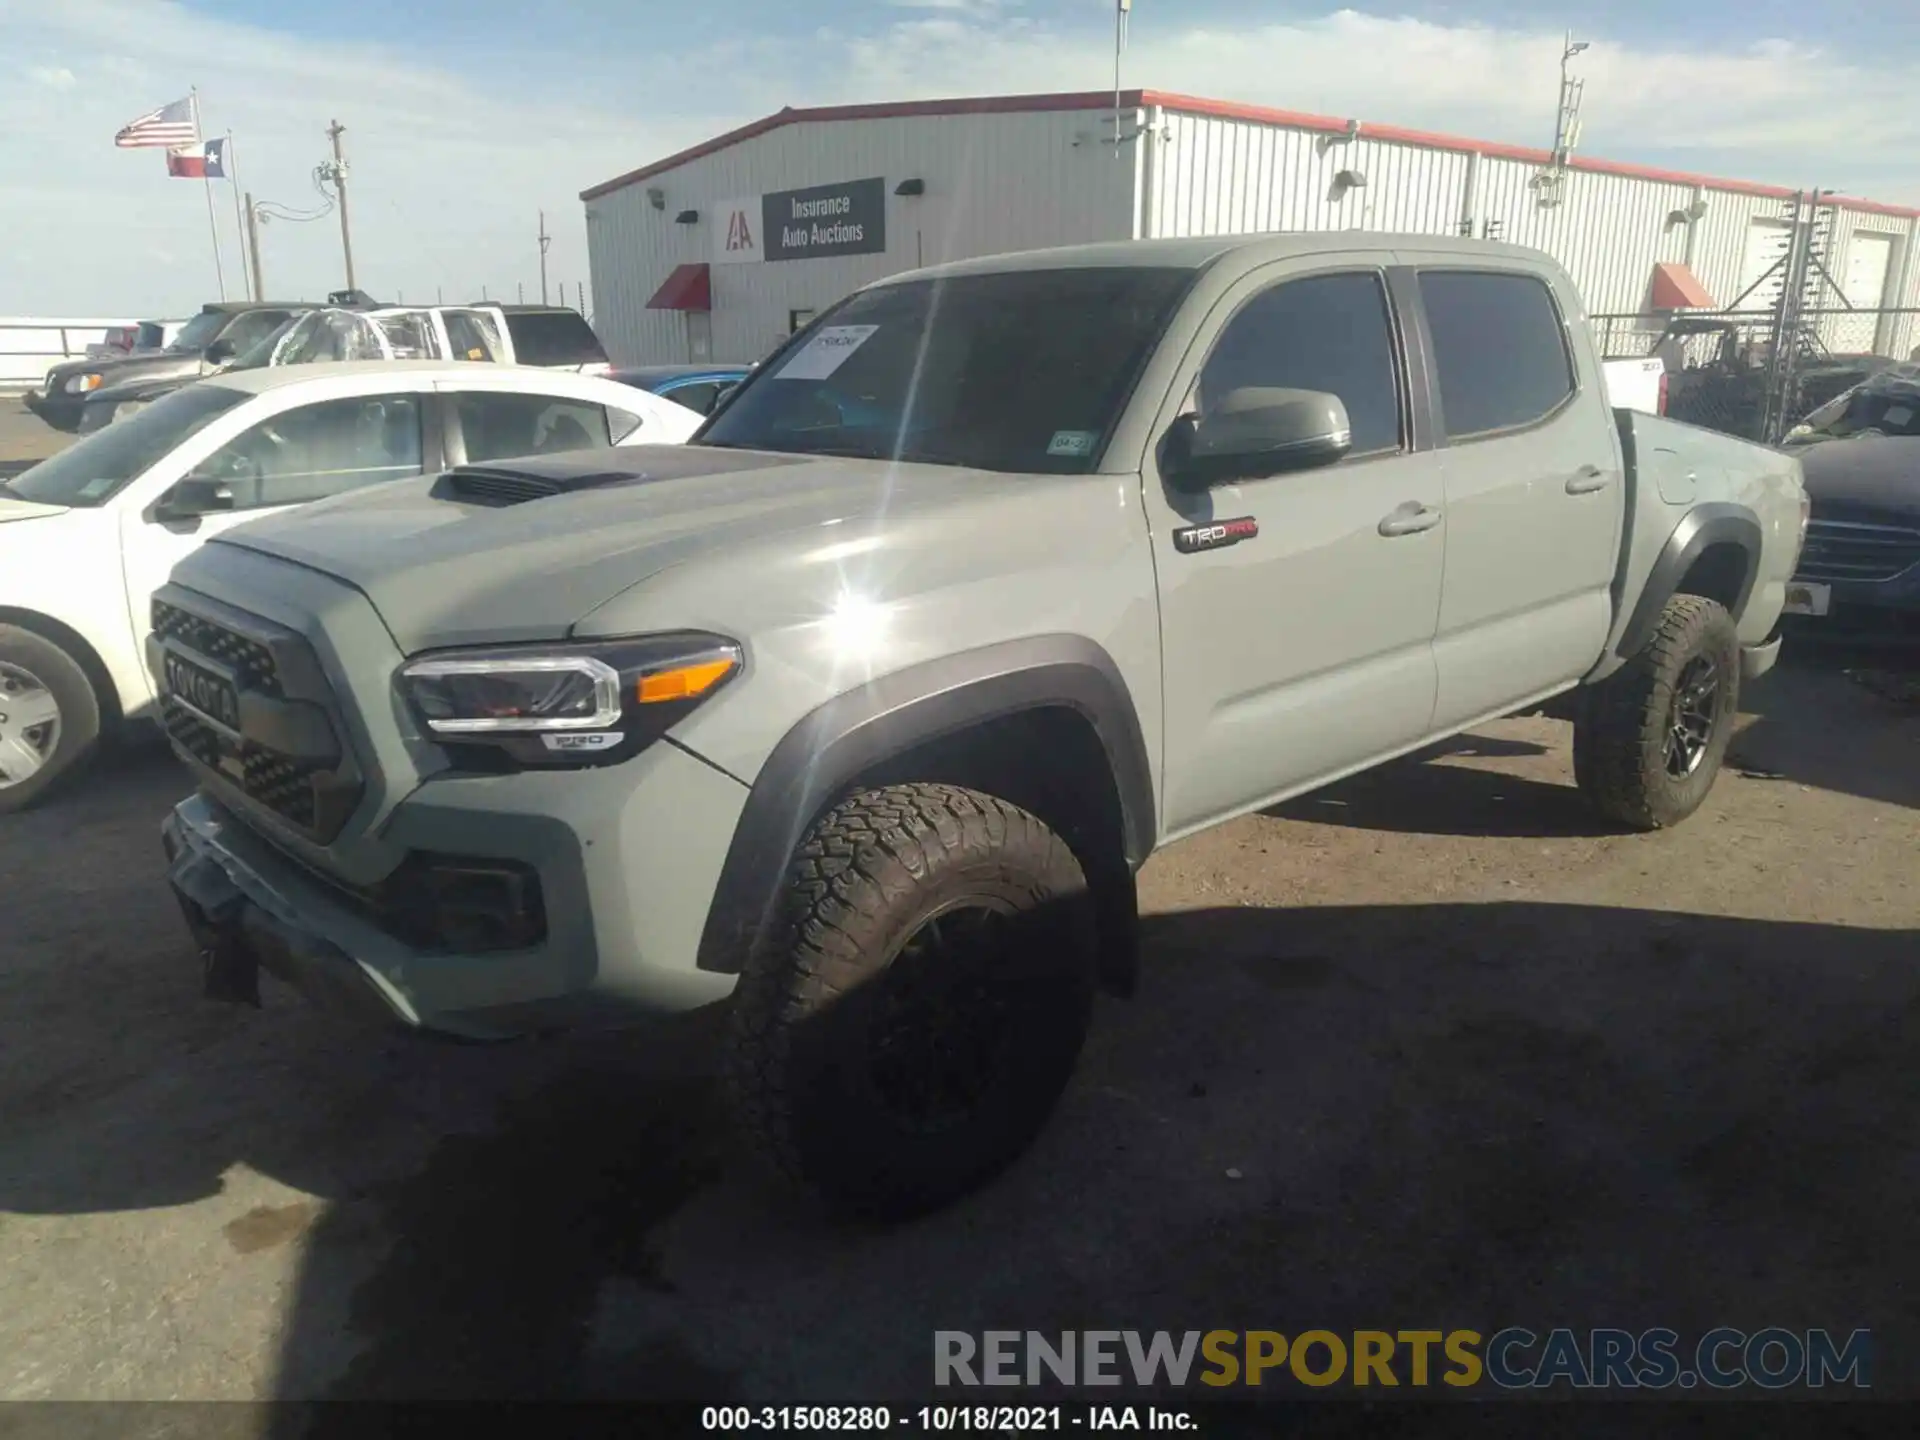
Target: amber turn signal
[{"x": 684, "y": 682}]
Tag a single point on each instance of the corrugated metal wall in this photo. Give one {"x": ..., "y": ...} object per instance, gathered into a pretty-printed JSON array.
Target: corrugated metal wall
[
  {"x": 1214, "y": 176},
  {"x": 994, "y": 182},
  {"x": 1018, "y": 180}
]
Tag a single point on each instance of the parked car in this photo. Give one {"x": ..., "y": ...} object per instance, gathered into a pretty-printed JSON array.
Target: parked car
[
  {"x": 336, "y": 333},
  {"x": 698, "y": 387},
  {"x": 115, "y": 341},
  {"x": 864, "y": 717},
  {"x": 213, "y": 337},
  {"x": 1860, "y": 573},
  {"x": 88, "y": 535}
]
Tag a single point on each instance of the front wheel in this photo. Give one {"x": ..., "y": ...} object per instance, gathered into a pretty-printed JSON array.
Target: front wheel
[
  {"x": 921, "y": 1005},
  {"x": 49, "y": 717},
  {"x": 1648, "y": 740}
]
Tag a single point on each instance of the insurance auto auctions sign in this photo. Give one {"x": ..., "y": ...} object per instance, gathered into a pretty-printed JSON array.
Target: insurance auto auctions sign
[{"x": 848, "y": 218}]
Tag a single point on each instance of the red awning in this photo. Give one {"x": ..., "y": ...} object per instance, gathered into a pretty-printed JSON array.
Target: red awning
[
  {"x": 689, "y": 287},
  {"x": 1675, "y": 287}
]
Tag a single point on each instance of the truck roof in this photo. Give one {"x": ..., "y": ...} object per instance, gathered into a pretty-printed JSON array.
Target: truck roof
[{"x": 1200, "y": 251}]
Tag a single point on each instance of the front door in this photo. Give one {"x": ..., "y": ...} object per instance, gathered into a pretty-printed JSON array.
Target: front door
[
  {"x": 1298, "y": 611},
  {"x": 301, "y": 454}
]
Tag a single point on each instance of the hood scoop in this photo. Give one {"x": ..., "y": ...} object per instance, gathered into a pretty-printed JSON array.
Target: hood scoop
[{"x": 540, "y": 478}]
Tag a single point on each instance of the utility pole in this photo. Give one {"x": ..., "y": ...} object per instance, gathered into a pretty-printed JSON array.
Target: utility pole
[
  {"x": 545, "y": 240},
  {"x": 337, "y": 173},
  {"x": 1566, "y": 124},
  {"x": 253, "y": 245}
]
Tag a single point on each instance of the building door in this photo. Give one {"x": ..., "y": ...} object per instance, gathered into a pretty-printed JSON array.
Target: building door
[
  {"x": 1864, "y": 283},
  {"x": 1763, "y": 265}
]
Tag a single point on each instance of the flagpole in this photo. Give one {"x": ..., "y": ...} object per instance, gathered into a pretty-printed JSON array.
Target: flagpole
[
  {"x": 239, "y": 224},
  {"x": 213, "y": 225}
]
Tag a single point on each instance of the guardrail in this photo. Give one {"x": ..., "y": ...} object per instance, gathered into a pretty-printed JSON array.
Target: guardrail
[{"x": 29, "y": 345}]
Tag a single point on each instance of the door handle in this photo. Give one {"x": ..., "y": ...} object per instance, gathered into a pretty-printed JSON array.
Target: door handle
[
  {"x": 1410, "y": 519},
  {"x": 1586, "y": 480}
]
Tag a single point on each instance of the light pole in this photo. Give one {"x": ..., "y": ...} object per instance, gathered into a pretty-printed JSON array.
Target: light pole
[{"x": 1566, "y": 125}]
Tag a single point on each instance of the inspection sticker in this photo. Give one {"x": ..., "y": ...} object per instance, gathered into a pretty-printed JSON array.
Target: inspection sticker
[
  {"x": 826, "y": 352},
  {"x": 1071, "y": 442}
]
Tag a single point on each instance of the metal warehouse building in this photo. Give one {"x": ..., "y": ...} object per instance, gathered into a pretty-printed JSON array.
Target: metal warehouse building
[{"x": 721, "y": 251}]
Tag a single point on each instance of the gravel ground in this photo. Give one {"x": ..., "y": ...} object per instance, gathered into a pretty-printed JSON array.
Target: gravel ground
[{"x": 1430, "y": 1048}]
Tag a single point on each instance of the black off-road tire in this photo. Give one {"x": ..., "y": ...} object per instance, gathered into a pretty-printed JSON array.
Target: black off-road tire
[
  {"x": 816, "y": 1053},
  {"x": 1623, "y": 724},
  {"x": 26, "y": 653}
]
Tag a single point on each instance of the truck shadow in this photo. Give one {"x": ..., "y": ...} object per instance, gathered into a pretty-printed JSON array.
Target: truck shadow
[
  {"x": 1489, "y": 1113},
  {"x": 1813, "y": 725}
]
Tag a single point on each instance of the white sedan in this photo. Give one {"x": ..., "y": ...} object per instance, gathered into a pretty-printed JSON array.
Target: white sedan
[{"x": 87, "y": 536}]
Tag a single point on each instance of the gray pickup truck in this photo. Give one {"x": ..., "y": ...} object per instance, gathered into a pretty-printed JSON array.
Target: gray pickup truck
[{"x": 861, "y": 712}]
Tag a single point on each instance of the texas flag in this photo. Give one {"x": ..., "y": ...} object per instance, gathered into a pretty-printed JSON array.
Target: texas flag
[{"x": 199, "y": 162}]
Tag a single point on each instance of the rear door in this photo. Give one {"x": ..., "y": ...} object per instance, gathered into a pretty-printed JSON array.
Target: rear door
[{"x": 1534, "y": 486}]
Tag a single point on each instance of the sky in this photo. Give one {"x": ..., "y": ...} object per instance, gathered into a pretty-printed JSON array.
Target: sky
[{"x": 466, "y": 118}]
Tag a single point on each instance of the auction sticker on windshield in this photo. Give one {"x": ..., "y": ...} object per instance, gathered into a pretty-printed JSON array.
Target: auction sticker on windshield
[{"x": 826, "y": 352}]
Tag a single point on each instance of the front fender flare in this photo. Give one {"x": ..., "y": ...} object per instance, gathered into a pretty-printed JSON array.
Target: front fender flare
[{"x": 852, "y": 733}]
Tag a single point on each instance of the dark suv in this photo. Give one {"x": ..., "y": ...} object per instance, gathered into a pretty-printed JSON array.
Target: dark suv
[{"x": 212, "y": 338}]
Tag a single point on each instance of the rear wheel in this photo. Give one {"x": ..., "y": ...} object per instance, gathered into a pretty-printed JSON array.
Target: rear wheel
[
  {"x": 49, "y": 717},
  {"x": 1648, "y": 740},
  {"x": 910, "y": 1027}
]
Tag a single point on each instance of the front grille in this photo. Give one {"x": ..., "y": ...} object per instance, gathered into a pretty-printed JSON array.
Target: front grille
[
  {"x": 280, "y": 782},
  {"x": 252, "y": 662},
  {"x": 284, "y": 754},
  {"x": 1848, "y": 550}
]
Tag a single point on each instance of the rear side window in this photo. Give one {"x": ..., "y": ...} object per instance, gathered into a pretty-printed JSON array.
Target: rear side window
[
  {"x": 554, "y": 337},
  {"x": 1500, "y": 349},
  {"x": 500, "y": 424}
]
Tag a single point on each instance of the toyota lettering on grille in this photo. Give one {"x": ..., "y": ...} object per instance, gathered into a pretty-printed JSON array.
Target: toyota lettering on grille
[{"x": 212, "y": 697}]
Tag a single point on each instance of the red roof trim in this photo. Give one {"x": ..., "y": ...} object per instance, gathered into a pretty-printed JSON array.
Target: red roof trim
[
  {"x": 689, "y": 287},
  {"x": 1225, "y": 110}
]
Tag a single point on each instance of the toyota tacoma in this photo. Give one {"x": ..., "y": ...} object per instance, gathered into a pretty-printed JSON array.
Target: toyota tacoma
[{"x": 861, "y": 712}]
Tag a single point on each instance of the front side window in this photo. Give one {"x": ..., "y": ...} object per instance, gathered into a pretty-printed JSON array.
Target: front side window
[
  {"x": 1332, "y": 333},
  {"x": 314, "y": 451},
  {"x": 199, "y": 332},
  {"x": 472, "y": 335},
  {"x": 95, "y": 468},
  {"x": 1024, "y": 371},
  {"x": 1499, "y": 347},
  {"x": 499, "y": 425}
]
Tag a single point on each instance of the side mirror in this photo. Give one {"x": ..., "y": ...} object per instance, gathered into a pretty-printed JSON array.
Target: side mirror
[
  {"x": 219, "y": 352},
  {"x": 194, "y": 496},
  {"x": 1255, "y": 432}
]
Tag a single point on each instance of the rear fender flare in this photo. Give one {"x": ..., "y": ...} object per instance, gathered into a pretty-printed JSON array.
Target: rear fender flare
[{"x": 1703, "y": 526}]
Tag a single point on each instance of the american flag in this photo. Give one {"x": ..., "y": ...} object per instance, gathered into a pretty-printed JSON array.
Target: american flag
[{"x": 174, "y": 124}]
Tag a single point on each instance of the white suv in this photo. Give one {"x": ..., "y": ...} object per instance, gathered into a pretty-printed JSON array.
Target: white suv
[{"x": 87, "y": 536}]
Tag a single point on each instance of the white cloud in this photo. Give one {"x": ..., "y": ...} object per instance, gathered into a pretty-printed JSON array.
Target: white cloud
[{"x": 448, "y": 169}]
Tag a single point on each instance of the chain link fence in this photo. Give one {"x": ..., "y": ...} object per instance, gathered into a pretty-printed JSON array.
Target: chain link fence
[{"x": 1726, "y": 372}]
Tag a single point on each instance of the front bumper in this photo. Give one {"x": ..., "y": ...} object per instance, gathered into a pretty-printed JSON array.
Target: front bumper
[
  {"x": 625, "y": 871},
  {"x": 60, "y": 411}
]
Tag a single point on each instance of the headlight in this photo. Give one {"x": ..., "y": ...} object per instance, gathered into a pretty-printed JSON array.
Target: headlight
[
  {"x": 566, "y": 704},
  {"x": 81, "y": 384}
]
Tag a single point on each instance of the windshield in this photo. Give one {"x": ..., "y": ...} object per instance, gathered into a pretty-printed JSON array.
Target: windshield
[
  {"x": 198, "y": 333},
  {"x": 262, "y": 352},
  {"x": 92, "y": 470},
  {"x": 1022, "y": 371},
  {"x": 1888, "y": 404}
]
